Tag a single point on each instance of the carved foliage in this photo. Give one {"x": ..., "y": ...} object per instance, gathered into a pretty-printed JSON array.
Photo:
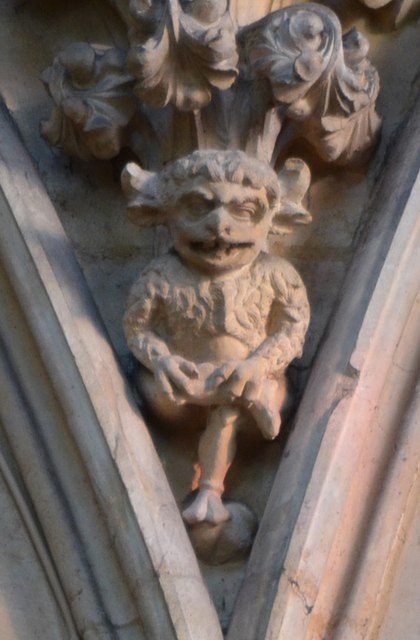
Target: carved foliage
[
  {"x": 318, "y": 78},
  {"x": 180, "y": 49},
  {"x": 292, "y": 49},
  {"x": 294, "y": 64},
  {"x": 93, "y": 98},
  {"x": 349, "y": 124}
]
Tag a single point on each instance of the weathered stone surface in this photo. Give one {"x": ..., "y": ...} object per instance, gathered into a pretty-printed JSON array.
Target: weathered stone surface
[
  {"x": 295, "y": 65},
  {"x": 92, "y": 92},
  {"x": 304, "y": 571},
  {"x": 30, "y": 593}
]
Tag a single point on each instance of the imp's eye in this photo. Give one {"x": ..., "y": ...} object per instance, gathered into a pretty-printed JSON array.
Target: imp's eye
[
  {"x": 196, "y": 207},
  {"x": 245, "y": 210}
]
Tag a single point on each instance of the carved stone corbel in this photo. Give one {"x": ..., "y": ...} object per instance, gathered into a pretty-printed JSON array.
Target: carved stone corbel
[
  {"x": 102, "y": 516},
  {"x": 233, "y": 88}
]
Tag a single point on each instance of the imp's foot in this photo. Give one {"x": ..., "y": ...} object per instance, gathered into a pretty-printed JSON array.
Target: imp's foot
[
  {"x": 207, "y": 506},
  {"x": 268, "y": 421}
]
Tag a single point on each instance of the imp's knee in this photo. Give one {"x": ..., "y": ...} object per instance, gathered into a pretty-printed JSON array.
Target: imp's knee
[
  {"x": 225, "y": 416},
  {"x": 161, "y": 406}
]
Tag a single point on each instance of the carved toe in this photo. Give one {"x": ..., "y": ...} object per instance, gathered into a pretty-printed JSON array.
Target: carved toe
[{"x": 206, "y": 507}]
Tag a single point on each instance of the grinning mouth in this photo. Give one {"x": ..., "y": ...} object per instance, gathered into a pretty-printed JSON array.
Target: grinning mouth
[{"x": 219, "y": 248}]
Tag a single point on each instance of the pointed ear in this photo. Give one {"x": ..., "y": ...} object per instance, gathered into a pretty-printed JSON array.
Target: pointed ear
[
  {"x": 294, "y": 178},
  {"x": 140, "y": 187}
]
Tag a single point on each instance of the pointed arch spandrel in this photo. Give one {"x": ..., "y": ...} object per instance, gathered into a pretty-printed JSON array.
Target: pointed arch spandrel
[
  {"x": 144, "y": 525},
  {"x": 277, "y": 595}
]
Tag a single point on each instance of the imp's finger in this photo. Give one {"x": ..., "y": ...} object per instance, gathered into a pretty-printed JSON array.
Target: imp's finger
[
  {"x": 236, "y": 386},
  {"x": 177, "y": 377},
  {"x": 226, "y": 370},
  {"x": 179, "y": 400},
  {"x": 189, "y": 369},
  {"x": 164, "y": 384},
  {"x": 252, "y": 391}
]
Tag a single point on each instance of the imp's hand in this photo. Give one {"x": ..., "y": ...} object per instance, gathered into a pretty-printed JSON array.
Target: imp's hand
[
  {"x": 241, "y": 380},
  {"x": 175, "y": 377}
]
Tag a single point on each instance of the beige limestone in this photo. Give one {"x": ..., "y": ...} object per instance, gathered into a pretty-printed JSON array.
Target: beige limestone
[{"x": 294, "y": 65}]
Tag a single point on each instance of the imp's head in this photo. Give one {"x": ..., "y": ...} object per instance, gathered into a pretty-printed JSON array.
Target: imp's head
[{"x": 219, "y": 206}]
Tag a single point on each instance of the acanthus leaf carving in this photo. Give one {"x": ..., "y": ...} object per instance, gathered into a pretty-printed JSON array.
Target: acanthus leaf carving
[
  {"x": 317, "y": 78},
  {"x": 221, "y": 89},
  {"x": 351, "y": 124},
  {"x": 179, "y": 51},
  {"x": 291, "y": 50},
  {"x": 94, "y": 103}
]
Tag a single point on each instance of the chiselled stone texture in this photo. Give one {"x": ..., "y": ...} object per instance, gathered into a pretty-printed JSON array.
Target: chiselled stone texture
[
  {"x": 346, "y": 492},
  {"x": 96, "y": 501},
  {"x": 299, "y": 63}
]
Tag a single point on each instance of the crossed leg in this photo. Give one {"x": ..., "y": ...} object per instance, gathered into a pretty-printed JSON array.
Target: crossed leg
[
  {"x": 266, "y": 410},
  {"x": 216, "y": 452},
  {"x": 217, "y": 445}
]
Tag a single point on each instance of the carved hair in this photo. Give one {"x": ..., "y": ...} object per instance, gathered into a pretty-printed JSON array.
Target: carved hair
[
  {"x": 220, "y": 166},
  {"x": 151, "y": 194}
]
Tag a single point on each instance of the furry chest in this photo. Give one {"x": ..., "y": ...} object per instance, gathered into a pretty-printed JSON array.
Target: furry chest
[{"x": 237, "y": 309}]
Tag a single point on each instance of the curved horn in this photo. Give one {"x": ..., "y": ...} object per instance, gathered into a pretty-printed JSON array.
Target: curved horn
[
  {"x": 294, "y": 178},
  {"x": 140, "y": 187}
]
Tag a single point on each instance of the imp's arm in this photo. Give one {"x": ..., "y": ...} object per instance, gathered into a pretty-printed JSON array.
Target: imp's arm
[
  {"x": 288, "y": 324},
  {"x": 173, "y": 374},
  {"x": 141, "y": 310}
]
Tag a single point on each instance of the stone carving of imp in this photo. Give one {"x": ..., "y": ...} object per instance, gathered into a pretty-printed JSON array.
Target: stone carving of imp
[{"x": 216, "y": 321}]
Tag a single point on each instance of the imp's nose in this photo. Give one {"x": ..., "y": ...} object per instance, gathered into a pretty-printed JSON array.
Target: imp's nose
[{"x": 218, "y": 221}]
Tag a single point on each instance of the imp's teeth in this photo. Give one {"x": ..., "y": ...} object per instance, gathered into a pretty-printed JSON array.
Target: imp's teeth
[
  {"x": 210, "y": 245},
  {"x": 218, "y": 248}
]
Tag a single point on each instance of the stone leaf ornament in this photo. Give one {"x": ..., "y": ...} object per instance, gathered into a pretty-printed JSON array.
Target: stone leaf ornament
[
  {"x": 317, "y": 78},
  {"x": 349, "y": 124},
  {"x": 191, "y": 75},
  {"x": 180, "y": 50},
  {"x": 94, "y": 102}
]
